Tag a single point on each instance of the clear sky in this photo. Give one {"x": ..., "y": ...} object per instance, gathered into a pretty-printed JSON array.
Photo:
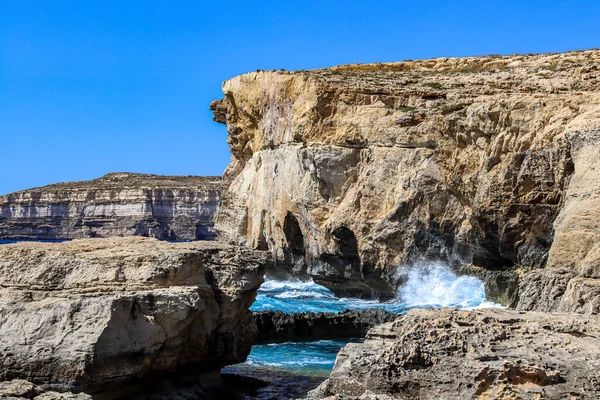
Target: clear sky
[{"x": 89, "y": 87}]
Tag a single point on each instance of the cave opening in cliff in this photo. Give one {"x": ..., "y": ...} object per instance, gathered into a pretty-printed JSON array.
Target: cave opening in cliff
[
  {"x": 294, "y": 252},
  {"x": 293, "y": 234},
  {"x": 345, "y": 261},
  {"x": 346, "y": 242}
]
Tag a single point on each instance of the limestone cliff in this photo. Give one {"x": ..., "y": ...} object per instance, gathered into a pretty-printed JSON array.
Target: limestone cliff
[
  {"x": 571, "y": 281},
  {"x": 347, "y": 172},
  {"x": 91, "y": 313},
  {"x": 118, "y": 204}
]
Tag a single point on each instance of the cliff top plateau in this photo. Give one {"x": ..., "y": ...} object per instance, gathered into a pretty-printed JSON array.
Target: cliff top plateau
[
  {"x": 568, "y": 73},
  {"x": 126, "y": 180}
]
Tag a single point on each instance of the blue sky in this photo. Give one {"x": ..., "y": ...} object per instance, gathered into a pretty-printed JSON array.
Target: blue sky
[{"x": 90, "y": 87}]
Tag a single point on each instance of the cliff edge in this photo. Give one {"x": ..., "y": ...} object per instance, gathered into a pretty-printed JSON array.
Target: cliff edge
[{"x": 345, "y": 173}]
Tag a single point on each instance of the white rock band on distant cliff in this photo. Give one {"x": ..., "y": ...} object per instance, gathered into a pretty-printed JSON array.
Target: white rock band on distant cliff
[{"x": 118, "y": 204}]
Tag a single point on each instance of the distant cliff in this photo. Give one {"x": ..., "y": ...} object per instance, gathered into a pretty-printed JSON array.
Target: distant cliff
[{"x": 117, "y": 204}]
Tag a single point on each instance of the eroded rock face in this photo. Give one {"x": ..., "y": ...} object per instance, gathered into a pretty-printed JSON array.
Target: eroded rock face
[
  {"x": 89, "y": 313},
  {"x": 347, "y": 172},
  {"x": 118, "y": 204},
  {"x": 483, "y": 354},
  {"x": 571, "y": 281}
]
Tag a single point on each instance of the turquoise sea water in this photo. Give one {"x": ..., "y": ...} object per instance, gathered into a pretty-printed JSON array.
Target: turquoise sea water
[
  {"x": 9, "y": 241},
  {"x": 291, "y": 369},
  {"x": 425, "y": 285},
  {"x": 307, "y": 358}
]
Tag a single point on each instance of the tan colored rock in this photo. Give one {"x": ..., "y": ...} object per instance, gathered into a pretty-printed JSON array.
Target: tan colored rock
[
  {"x": 347, "y": 172},
  {"x": 571, "y": 282},
  {"x": 19, "y": 389},
  {"x": 89, "y": 313},
  {"x": 117, "y": 204},
  {"x": 484, "y": 354}
]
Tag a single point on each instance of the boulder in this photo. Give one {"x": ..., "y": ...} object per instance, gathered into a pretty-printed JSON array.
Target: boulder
[
  {"x": 91, "y": 313},
  {"x": 19, "y": 389}
]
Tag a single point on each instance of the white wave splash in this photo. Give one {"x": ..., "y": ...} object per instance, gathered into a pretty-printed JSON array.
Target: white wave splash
[
  {"x": 271, "y": 285},
  {"x": 424, "y": 285},
  {"x": 436, "y": 285}
]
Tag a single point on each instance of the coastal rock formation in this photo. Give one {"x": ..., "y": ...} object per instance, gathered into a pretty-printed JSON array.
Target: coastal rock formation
[
  {"x": 347, "y": 172},
  {"x": 571, "y": 281},
  {"x": 277, "y": 326},
  {"x": 91, "y": 313},
  {"x": 483, "y": 354},
  {"x": 118, "y": 204}
]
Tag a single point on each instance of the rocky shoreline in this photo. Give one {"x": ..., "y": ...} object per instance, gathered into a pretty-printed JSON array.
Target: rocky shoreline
[
  {"x": 341, "y": 175},
  {"x": 452, "y": 354}
]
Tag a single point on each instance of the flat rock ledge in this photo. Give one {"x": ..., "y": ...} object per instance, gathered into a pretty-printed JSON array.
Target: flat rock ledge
[
  {"x": 481, "y": 354},
  {"x": 277, "y": 326},
  {"x": 87, "y": 314}
]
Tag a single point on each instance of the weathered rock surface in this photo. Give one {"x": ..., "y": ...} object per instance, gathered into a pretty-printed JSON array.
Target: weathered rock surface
[
  {"x": 277, "y": 326},
  {"x": 20, "y": 389},
  {"x": 118, "y": 204},
  {"x": 571, "y": 281},
  {"x": 347, "y": 172},
  {"x": 90, "y": 313},
  {"x": 483, "y": 354}
]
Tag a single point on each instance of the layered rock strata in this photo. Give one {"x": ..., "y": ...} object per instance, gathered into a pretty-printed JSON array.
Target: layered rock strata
[
  {"x": 118, "y": 204},
  {"x": 91, "y": 313},
  {"x": 277, "y": 326},
  {"x": 347, "y": 172},
  {"x": 487, "y": 354}
]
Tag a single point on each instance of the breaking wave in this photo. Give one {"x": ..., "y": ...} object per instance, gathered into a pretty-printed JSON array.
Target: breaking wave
[
  {"x": 436, "y": 285},
  {"x": 424, "y": 285}
]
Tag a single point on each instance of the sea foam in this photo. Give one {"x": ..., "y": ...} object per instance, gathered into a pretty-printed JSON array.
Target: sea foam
[{"x": 424, "y": 285}]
